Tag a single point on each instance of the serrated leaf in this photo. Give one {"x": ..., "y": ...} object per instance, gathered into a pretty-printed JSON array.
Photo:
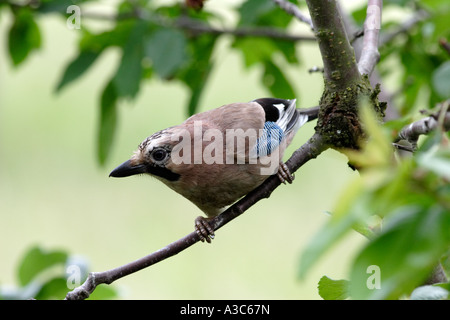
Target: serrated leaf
[
  {"x": 108, "y": 120},
  {"x": 24, "y": 36},
  {"x": 330, "y": 289},
  {"x": 37, "y": 260}
]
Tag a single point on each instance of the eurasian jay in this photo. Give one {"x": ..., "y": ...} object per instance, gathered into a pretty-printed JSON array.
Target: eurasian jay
[{"x": 218, "y": 156}]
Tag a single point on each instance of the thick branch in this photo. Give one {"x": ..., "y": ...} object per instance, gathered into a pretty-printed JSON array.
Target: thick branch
[
  {"x": 308, "y": 151},
  {"x": 369, "y": 54},
  {"x": 412, "y": 132}
]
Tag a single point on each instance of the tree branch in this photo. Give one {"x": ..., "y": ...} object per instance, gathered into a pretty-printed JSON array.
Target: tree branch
[
  {"x": 413, "y": 131},
  {"x": 338, "y": 56},
  {"x": 292, "y": 9},
  {"x": 196, "y": 27},
  {"x": 369, "y": 54},
  {"x": 308, "y": 151}
]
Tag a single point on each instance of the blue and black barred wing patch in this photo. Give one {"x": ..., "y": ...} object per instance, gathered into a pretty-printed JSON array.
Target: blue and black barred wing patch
[{"x": 270, "y": 139}]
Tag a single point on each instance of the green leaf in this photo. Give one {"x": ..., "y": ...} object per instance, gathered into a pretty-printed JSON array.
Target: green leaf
[
  {"x": 276, "y": 82},
  {"x": 252, "y": 10},
  {"x": 108, "y": 121},
  {"x": 24, "y": 36},
  {"x": 167, "y": 50},
  {"x": 103, "y": 292},
  {"x": 195, "y": 74},
  {"x": 54, "y": 289},
  {"x": 194, "y": 99},
  {"x": 118, "y": 37},
  {"x": 330, "y": 289},
  {"x": 405, "y": 253},
  {"x": 441, "y": 80},
  {"x": 266, "y": 49},
  {"x": 47, "y": 6},
  {"x": 128, "y": 76},
  {"x": 77, "y": 67},
  {"x": 90, "y": 48},
  {"x": 37, "y": 260},
  {"x": 437, "y": 160}
]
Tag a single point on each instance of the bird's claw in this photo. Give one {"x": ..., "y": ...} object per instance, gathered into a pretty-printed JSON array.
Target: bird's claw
[
  {"x": 203, "y": 229},
  {"x": 284, "y": 174}
]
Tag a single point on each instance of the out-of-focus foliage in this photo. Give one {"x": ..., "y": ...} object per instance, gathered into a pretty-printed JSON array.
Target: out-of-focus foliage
[
  {"x": 408, "y": 202},
  {"x": 49, "y": 274},
  {"x": 406, "y": 199},
  {"x": 154, "y": 43}
]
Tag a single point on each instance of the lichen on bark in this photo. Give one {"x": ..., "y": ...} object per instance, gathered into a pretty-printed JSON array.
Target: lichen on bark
[{"x": 339, "y": 122}]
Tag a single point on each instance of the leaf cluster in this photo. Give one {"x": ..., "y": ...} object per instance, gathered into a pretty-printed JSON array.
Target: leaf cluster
[{"x": 49, "y": 274}]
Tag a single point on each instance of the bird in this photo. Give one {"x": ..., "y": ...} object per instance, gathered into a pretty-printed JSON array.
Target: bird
[{"x": 216, "y": 157}]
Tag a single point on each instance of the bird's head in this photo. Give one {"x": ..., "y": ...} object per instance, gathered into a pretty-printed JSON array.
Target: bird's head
[{"x": 153, "y": 156}]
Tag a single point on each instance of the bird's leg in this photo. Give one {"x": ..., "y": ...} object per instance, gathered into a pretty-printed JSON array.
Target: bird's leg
[
  {"x": 203, "y": 229},
  {"x": 284, "y": 174}
]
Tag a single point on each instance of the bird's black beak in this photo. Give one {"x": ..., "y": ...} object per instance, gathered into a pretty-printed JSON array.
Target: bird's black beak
[{"x": 127, "y": 169}]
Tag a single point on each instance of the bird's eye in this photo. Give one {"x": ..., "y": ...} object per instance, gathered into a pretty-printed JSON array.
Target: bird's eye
[{"x": 159, "y": 154}]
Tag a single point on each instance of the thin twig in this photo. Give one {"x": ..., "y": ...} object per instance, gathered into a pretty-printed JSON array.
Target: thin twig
[
  {"x": 265, "y": 32},
  {"x": 197, "y": 27},
  {"x": 369, "y": 53},
  {"x": 315, "y": 69},
  {"x": 292, "y": 9},
  {"x": 413, "y": 131},
  {"x": 308, "y": 151}
]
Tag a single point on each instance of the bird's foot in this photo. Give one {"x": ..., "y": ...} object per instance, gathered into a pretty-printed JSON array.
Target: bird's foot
[
  {"x": 284, "y": 174},
  {"x": 203, "y": 229}
]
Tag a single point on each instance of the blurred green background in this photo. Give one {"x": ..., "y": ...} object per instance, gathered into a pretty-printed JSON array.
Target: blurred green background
[{"x": 53, "y": 192}]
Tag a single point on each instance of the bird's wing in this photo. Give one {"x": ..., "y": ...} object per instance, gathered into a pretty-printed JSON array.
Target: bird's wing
[{"x": 282, "y": 120}]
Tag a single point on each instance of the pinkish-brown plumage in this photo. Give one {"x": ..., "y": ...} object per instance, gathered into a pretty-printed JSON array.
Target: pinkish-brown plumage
[{"x": 202, "y": 159}]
